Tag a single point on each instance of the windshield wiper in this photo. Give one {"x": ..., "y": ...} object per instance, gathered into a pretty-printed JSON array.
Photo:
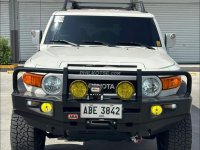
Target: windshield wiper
[
  {"x": 97, "y": 43},
  {"x": 135, "y": 44},
  {"x": 65, "y": 42}
]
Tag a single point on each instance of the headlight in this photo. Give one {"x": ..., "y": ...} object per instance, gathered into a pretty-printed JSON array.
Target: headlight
[
  {"x": 52, "y": 84},
  {"x": 125, "y": 90},
  {"x": 151, "y": 86},
  {"x": 78, "y": 89}
]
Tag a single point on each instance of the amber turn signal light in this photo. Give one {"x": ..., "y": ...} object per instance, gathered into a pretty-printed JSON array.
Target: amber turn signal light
[
  {"x": 32, "y": 79},
  {"x": 171, "y": 82}
]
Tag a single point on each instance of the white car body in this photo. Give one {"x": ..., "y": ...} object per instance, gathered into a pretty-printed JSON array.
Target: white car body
[{"x": 58, "y": 56}]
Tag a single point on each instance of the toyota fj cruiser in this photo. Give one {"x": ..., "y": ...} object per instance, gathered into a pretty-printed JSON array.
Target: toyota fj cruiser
[{"x": 102, "y": 72}]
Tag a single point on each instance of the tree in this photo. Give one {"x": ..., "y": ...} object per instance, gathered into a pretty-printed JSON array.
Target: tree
[{"x": 5, "y": 51}]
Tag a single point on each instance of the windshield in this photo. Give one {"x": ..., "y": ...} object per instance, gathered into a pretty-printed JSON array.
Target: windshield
[{"x": 110, "y": 30}]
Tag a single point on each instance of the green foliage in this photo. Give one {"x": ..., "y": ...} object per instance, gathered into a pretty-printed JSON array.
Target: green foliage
[{"x": 5, "y": 51}]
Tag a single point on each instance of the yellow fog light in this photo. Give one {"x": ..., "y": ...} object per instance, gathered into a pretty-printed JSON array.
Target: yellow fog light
[
  {"x": 78, "y": 89},
  {"x": 156, "y": 110},
  {"x": 125, "y": 90},
  {"x": 46, "y": 107}
]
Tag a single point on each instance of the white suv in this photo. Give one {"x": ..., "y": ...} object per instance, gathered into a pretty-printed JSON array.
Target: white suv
[{"x": 102, "y": 72}]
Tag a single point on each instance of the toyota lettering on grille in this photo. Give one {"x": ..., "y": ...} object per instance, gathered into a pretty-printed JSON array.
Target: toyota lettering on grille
[{"x": 107, "y": 87}]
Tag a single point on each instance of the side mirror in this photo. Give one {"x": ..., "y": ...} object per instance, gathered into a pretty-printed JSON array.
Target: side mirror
[
  {"x": 170, "y": 40},
  {"x": 36, "y": 37}
]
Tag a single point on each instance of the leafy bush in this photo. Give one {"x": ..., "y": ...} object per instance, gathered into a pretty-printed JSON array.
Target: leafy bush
[{"x": 5, "y": 51}]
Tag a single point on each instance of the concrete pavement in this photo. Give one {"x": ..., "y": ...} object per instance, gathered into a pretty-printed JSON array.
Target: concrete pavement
[{"x": 54, "y": 144}]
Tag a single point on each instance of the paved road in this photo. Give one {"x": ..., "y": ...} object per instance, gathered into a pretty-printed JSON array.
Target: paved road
[{"x": 53, "y": 144}]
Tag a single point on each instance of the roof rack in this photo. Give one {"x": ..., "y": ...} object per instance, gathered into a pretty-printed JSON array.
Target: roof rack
[{"x": 132, "y": 6}]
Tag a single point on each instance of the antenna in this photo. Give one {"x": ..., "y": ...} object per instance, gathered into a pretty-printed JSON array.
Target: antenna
[
  {"x": 132, "y": 5},
  {"x": 65, "y": 5}
]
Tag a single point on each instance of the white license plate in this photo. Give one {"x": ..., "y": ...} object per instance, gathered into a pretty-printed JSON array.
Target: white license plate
[{"x": 101, "y": 111}]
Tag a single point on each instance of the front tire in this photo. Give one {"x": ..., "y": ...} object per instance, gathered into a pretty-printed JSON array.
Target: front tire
[
  {"x": 24, "y": 136},
  {"x": 177, "y": 138}
]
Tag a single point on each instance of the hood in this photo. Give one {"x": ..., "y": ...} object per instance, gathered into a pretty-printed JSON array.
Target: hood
[{"x": 59, "y": 57}]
